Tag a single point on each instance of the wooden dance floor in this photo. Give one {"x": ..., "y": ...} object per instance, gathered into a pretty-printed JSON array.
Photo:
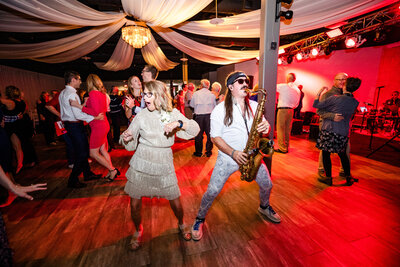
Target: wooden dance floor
[{"x": 321, "y": 225}]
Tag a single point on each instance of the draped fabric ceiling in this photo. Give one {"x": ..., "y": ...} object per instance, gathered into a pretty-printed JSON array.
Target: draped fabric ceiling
[{"x": 162, "y": 16}]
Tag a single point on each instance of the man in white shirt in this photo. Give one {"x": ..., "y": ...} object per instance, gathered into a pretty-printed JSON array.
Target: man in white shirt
[
  {"x": 288, "y": 99},
  {"x": 72, "y": 118},
  {"x": 203, "y": 102},
  {"x": 231, "y": 122}
]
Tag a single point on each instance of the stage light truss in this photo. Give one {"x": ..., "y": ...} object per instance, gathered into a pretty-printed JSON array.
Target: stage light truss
[{"x": 371, "y": 22}]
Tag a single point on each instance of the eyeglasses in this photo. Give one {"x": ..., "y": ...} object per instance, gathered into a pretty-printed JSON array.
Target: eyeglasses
[
  {"x": 340, "y": 79},
  {"x": 241, "y": 81},
  {"x": 148, "y": 94}
]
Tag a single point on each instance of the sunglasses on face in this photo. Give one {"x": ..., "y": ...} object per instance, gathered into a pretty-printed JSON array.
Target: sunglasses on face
[
  {"x": 148, "y": 94},
  {"x": 241, "y": 81}
]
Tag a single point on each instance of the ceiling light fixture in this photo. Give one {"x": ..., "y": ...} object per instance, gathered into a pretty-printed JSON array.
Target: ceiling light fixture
[
  {"x": 216, "y": 20},
  {"x": 334, "y": 33},
  {"x": 136, "y": 35},
  {"x": 314, "y": 52}
]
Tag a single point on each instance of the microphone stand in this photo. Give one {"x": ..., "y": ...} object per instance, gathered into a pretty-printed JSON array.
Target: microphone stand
[{"x": 377, "y": 96}]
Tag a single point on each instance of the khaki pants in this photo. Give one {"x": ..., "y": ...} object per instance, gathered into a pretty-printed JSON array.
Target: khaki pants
[{"x": 283, "y": 128}]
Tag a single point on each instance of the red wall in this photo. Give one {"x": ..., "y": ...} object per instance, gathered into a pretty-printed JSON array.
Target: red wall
[{"x": 375, "y": 66}]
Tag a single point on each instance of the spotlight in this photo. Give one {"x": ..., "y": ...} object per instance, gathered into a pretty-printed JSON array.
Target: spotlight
[
  {"x": 281, "y": 51},
  {"x": 299, "y": 56},
  {"x": 314, "y": 52},
  {"x": 328, "y": 50},
  {"x": 350, "y": 42},
  {"x": 380, "y": 36},
  {"x": 279, "y": 61},
  {"x": 285, "y": 14},
  {"x": 289, "y": 59},
  {"x": 334, "y": 33}
]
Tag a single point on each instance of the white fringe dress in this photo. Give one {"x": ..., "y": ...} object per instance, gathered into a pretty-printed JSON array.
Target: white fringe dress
[{"x": 151, "y": 172}]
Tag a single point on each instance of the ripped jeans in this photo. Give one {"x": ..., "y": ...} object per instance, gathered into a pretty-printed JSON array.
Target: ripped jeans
[{"x": 223, "y": 169}]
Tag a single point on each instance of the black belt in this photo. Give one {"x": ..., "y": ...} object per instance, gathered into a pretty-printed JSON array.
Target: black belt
[
  {"x": 71, "y": 121},
  {"x": 203, "y": 114},
  {"x": 285, "y": 108}
]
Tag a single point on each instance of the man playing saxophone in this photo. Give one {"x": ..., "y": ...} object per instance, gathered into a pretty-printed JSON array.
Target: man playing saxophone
[{"x": 231, "y": 122}]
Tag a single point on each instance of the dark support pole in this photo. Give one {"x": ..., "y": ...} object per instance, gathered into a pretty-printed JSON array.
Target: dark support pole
[{"x": 268, "y": 63}]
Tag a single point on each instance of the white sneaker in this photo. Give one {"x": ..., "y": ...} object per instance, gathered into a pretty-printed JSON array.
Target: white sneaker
[
  {"x": 197, "y": 229},
  {"x": 270, "y": 214}
]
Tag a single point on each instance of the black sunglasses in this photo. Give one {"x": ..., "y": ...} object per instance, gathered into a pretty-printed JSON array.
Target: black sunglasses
[{"x": 241, "y": 81}]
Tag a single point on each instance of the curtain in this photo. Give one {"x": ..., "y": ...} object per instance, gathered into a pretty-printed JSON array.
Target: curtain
[
  {"x": 69, "y": 12},
  {"x": 204, "y": 52},
  {"x": 64, "y": 49},
  {"x": 120, "y": 59},
  {"x": 163, "y": 13},
  {"x": 60, "y": 15},
  {"x": 307, "y": 15}
]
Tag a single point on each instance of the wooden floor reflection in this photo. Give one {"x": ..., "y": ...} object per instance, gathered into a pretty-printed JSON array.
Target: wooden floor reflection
[{"x": 321, "y": 225}]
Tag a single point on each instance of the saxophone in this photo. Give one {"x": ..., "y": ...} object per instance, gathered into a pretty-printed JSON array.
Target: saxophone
[{"x": 256, "y": 147}]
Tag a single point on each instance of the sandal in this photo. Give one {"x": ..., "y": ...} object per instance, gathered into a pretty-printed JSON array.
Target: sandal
[
  {"x": 108, "y": 177},
  {"x": 136, "y": 240},
  {"x": 185, "y": 231}
]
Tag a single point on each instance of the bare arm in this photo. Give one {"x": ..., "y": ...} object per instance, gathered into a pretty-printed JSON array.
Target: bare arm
[
  {"x": 238, "y": 156},
  {"x": 10, "y": 105},
  {"x": 20, "y": 191},
  {"x": 53, "y": 110}
]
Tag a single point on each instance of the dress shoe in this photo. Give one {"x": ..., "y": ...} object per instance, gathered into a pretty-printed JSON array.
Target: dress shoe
[
  {"x": 92, "y": 177},
  {"x": 76, "y": 185},
  {"x": 351, "y": 180},
  {"x": 280, "y": 151},
  {"x": 197, "y": 154},
  {"x": 326, "y": 180},
  {"x": 109, "y": 177},
  {"x": 208, "y": 155}
]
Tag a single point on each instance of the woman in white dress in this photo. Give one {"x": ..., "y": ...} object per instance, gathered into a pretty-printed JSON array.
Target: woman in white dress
[{"x": 151, "y": 172}]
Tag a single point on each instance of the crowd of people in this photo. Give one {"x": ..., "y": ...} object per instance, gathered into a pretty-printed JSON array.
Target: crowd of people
[{"x": 154, "y": 117}]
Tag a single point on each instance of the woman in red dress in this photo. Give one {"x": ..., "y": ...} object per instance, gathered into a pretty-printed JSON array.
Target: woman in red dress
[{"x": 95, "y": 104}]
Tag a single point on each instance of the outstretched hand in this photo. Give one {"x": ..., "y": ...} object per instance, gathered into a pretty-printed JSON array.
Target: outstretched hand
[
  {"x": 127, "y": 136},
  {"x": 22, "y": 191}
]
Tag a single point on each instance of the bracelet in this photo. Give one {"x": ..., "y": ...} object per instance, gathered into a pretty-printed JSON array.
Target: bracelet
[
  {"x": 233, "y": 151},
  {"x": 180, "y": 124}
]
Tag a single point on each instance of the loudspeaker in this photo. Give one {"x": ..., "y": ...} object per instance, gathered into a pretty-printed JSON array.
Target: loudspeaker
[
  {"x": 297, "y": 127},
  {"x": 314, "y": 131}
]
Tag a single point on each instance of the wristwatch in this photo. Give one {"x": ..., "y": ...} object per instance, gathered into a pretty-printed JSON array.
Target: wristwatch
[{"x": 180, "y": 123}]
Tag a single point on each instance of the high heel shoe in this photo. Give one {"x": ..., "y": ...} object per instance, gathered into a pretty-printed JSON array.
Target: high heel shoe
[{"x": 115, "y": 176}]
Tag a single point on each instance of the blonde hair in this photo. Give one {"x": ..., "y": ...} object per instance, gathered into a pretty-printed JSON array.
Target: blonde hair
[
  {"x": 214, "y": 85},
  {"x": 162, "y": 98},
  {"x": 94, "y": 82}
]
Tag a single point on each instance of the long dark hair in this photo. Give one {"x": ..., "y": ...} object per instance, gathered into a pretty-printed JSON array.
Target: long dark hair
[{"x": 229, "y": 107}]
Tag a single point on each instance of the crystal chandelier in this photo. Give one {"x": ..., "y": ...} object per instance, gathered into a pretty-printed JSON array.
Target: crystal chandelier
[{"x": 136, "y": 35}]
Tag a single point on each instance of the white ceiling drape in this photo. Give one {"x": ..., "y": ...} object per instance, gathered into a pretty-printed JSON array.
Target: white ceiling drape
[
  {"x": 64, "y": 49},
  {"x": 204, "y": 52},
  {"x": 308, "y": 15},
  {"x": 69, "y": 12},
  {"x": 120, "y": 59},
  {"x": 60, "y": 15},
  {"x": 163, "y": 13}
]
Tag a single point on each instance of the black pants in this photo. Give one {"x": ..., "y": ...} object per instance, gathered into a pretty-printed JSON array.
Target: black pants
[
  {"x": 326, "y": 159},
  {"x": 204, "y": 122},
  {"x": 76, "y": 132},
  {"x": 116, "y": 123}
]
